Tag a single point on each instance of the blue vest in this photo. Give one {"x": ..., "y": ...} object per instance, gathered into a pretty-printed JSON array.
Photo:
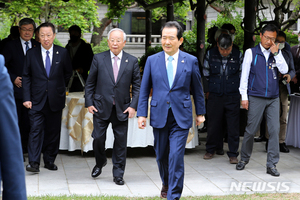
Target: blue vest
[
  {"x": 263, "y": 77},
  {"x": 224, "y": 81}
]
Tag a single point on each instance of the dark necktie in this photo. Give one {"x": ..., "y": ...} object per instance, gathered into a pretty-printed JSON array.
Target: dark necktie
[
  {"x": 27, "y": 46},
  {"x": 47, "y": 63}
]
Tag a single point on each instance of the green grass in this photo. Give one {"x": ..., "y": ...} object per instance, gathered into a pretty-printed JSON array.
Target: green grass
[{"x": 263, "y": 196}]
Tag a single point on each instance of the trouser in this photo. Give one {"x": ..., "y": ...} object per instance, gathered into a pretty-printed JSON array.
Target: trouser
[
  {"x": 44, "y": 134},
  {"x": 169, "y": 146},
  {"x": 220, "y": 108},
  {"x": 257, "y": 107},
  {"x": 119, "y": 146}
]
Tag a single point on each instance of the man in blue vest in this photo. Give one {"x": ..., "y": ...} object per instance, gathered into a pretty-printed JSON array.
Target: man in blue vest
[
  {"x": 259, "y": 88},
  {"x": 222, "y": 67}
]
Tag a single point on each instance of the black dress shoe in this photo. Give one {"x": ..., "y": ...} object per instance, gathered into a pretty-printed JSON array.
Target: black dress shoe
[
  {"x": 119, "y": 180},
  {"x": 273, "y": 171},
  {"x": 97, "y": 170},
  {"x": 50, "y": 166},
  {"x": 33, "y": 167},
  {"x": 164, "y": 192},
  {"x": 260, "y": 139},
  {"x": 241, "y": 165},
  {"x": 283, "y": 148},
  {"x": 220, "y": 152}
]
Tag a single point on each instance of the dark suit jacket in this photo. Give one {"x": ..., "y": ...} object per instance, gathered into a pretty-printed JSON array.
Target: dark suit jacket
[
  {"x": 11, "y": 160},
  {"x": 101, "y": 89},
  {"x": 296, "y": 60},
  {"x": 37, "y": 86},
  {"x": 82, "y": 58},
  {"x": 14, "y": 59},
  {"x": 187, "y": 80}
]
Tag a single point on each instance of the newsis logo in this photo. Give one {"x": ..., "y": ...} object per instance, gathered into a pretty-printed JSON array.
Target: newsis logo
[{"x": 260, "y": 186}]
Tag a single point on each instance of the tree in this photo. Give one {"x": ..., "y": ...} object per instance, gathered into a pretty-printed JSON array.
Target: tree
[{"x": 80, "y": 12}]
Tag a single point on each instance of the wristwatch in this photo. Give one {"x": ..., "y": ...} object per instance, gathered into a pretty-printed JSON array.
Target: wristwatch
[{"x": 275, "y": 54}]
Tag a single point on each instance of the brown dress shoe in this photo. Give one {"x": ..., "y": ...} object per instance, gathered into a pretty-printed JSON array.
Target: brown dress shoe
[
  {"x": 233, "y": 160},
  {"x": 208, "y": 156},
  {"x": 164, "y": 192}
]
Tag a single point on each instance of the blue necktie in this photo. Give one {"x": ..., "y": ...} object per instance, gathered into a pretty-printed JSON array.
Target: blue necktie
[
  {"x": 27, "y": 46},
  {"x": 170, "y": 70},
  {"x": 47, "y": 63}
]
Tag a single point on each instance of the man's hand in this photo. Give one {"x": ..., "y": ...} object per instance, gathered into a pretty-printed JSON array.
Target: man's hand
[
  {"x": 91, "y": 109},
  {"x": 274, "y": 48},
  {"x": 18, "y": 82},
  {"x": 288, "y": 77},
  {"x": 200, "y": 119},
  {"x": 142, "y": 122},
  {"x": 131, "y": 112},
  {"x": 295, "y": 79},
  {"x": 206, "y": 95},
  {"x": 27, "y": 104},
  {"x": 245, "y": 104}
]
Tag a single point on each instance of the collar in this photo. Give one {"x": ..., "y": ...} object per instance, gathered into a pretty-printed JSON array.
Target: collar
[
  {"x": 263, "y": 48},
  {"x": 112, "y": 55},
  {"x": 175, "y": 56},
  {"x": 23, "y": 41},
  {"x": 44, "y": 50}
]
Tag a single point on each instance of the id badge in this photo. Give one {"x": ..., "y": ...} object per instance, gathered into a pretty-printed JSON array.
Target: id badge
[{"x": 273, "y": 65}]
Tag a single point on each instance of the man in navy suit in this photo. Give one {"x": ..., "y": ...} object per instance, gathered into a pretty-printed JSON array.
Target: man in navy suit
[
  {"x": 174, "y": 76},
  {"x": 46, "y": 73},
  {"x": 107, "y": 97},
  {"x": 14, "y": 53},
  {"x": 11, "y": 164}
]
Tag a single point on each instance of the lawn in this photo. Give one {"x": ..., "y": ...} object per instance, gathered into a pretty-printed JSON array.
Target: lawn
[{"x": 283, "y": 196}]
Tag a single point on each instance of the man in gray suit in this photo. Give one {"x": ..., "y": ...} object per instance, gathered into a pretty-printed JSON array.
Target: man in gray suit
[{"x": 107, "y": 97}]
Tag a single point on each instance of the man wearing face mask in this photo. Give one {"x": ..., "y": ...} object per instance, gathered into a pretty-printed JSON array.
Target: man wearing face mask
[
  {"x": 81, "y": 54},
  {"x": 284, "y": 89},
  {"x": 295, "y": 85}
]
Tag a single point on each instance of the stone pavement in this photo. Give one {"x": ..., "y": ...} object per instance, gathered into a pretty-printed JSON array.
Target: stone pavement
[{"x": 202, "y": 177}]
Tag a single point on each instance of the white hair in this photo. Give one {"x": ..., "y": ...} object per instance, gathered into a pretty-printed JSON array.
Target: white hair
[{"x": 117, "y": 29}]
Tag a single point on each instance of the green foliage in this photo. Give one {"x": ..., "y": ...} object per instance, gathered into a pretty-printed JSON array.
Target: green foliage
[
  {"x": 150, "y": 51},
  {"x": 291, "y": 38},
  {"x": 103, "y": 46},
  {"x": 81, "y": 12},
  {"x": 57, "y": 42},
  {"x": 236, "y": 22},
  {"x": 190, "y": 41}
]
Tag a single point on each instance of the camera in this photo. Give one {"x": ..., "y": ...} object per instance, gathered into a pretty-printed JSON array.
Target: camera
[{"x": 284, "y": 81}]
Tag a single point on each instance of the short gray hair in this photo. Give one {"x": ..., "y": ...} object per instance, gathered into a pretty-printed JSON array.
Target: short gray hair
[
  {"x": 117, "y": 29},
  {"x": 26, "y": 21}
]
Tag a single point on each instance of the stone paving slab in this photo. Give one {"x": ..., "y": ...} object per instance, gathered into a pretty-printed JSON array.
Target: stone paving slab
[{"x": 202, "y": 177}]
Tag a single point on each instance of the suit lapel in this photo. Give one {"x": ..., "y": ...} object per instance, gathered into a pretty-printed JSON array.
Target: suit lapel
[
  {"x": 108, "y": 65},
  {"x": 180, "y": 65},
  {"x": 55, "y": 57},
  {"x": 123, "y": 64},
  {"x": 162, "y": 67},
  {"x": 39, "y": 59}
]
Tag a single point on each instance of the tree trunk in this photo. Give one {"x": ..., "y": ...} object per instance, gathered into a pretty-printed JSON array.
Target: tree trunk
[
  {"x": 201, "y": 17},
  {"x": 249, "y": 23},
  {"x": 96, "y": 39},
  {"x": 170, "y": 12}
]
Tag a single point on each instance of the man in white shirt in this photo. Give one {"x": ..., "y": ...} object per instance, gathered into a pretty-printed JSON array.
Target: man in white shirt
[{"x": 259, "y": 88}]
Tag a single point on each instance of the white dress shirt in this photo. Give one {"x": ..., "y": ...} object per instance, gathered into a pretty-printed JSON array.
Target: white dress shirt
[
  {"x": 280, "y": 64},
  {"x": 112, "y": 55},
  {"x": 44, "y": 54},
  {"x": 174, "y": 62},
  {"x": 24, "y": 45}
]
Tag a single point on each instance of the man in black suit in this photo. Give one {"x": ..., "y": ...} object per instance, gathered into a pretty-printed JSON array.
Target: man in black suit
[
  {"x": 81, "y": 54},
  {"x": 107, "y": 97},
  {"x": 46, "y": 73},
  {"x": 14, "y": 53},
  {"x": 295, "y": 82}
]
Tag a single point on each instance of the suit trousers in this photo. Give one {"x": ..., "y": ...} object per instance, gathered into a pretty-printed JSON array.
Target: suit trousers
[
  {"x": 219, "y": 108},
  {"x": 259, "y": 106},
  {"x": 44, "y": 134},
  {"x": 120, "y": 142},
  {"x": 169, "y": 146},
  {"x": 23, "y": 122}
]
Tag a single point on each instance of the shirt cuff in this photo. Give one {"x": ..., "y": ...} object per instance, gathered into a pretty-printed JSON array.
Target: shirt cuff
[{"x": 244, "y": 97}]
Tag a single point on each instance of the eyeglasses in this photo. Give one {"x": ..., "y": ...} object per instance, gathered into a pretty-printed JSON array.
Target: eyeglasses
[
  {"x": 28, "y": 30},
  {"x": 268, "y": 38},
  {"x": 115, "y": 41}
]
